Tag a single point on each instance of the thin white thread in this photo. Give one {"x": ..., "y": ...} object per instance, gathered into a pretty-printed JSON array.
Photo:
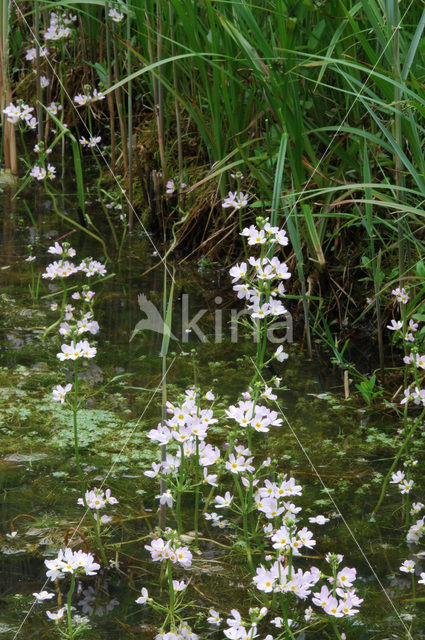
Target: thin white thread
[
  {"x": 97, "y": 147},
  {"x": 152, "y": 243},
  {"x": 130, "y": 435},
  {"x": 107, "y": 475},
  {"x": 325, "y": 153},
  {"x": 337, "y": 509}
]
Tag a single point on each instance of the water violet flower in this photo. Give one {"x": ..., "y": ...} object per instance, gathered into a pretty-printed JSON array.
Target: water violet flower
[
  {"x": 395, "y": 325},
  {"x": 43, "y": 595},
  {"x": 144, "y": 598},
  {"x": 214, "y": 616},
  {"x": 166, "y": 498},
  {"x": 401, "y": 295},
  {"x": 319, "y": 520},
  {"x": 115, "y": 15},
  {"x": 408, "y": 566},
  {"x": 236, "y": 200},
  {"x": 56, "y": 616},
  {"x": 60, "y": 392}
]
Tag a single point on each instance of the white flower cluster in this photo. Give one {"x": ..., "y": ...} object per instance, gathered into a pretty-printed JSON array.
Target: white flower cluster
[
  {"x": 85, "y": 324},
  {"x": 59, "y": 26},
  {"x": 416, "y": 531},
  {"x": 237, "y": 628},
  {"x": 416, "y": 395},
  {"x": 287, "y": 539},
  {"x": 183, "y": 632},
  {"x": 86, "y": 98},
  {"x": 60, "y": 392},
  {"x": 41, "y": 173},
  {"x": 115, "y": 15},
  {"x": 409, "y": 333},
  {"x": 347, "y": 602},
  {"x": 54, "y": 108},
  {"x": 63, "y": 268},
  {"x": 74, "y": 326},
  {"x": 261, "y": 279},
  {"x": 91, "y": 142},
  {"x": 417, "y": 360},
  {"x": 237, "y": 200},
  {"x": 187, "y": 425},
  {"x": 408, "y": 566},
  {"x": 170, "y": 187},
  {"x": 68, "y": 561},
  {"x": 397, "y": 325},
  {"x": 20, "y": 112},
  {"x": 399, "y": 478},
  {"x": 83, "y": 295},
  {"x": 265, "y": 234},
  {"x": 169, "y": 550},
  {"x": 249, "y": 412},
  {"x": 76, "y": 350},
  {"x": 97, "y": 499},
  {"x": 401, "y": 295},
  {"x": 32, "y": 53}
]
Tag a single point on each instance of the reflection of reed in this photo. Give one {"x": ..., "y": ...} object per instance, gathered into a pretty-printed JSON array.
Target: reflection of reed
[{"x": 8, "y": 253}]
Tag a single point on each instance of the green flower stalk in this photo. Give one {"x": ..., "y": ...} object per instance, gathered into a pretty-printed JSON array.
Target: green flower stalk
[
  {"x": 413, "y": 362},
  {"x": 74, "y": 328},
  {"x": 68, "y": 605},
  {"x": 95, "y": 523}
]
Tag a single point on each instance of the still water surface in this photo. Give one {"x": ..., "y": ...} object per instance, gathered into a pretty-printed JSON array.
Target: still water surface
[{"x": 327, "y": 436}]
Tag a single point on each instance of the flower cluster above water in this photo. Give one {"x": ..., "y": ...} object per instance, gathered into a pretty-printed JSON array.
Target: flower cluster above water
[
  {"x": 21, "y": 112},
  {"x": 59, "y": 26},
  {"x": 68, "y": 561},
  {"x": 97, "y": 499}
]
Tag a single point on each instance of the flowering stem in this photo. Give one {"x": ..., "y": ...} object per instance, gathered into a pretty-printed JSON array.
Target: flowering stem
[
  {"x": 251, "y": 513},
  {"x": 335, "y": 628},
  {"x": 196, "y": 518},
  {"x": 68, "y": 607},
  {"x": 170, "y": 588},
  {"x": 180, "y": 491},
  {"x": 396, "y": 459},
  {"x": 245, "y": 524},
  {"x": 62, "y": 311},
  {"x": 62, "y": 85},
  {"x": 284, "y": 607},
  {"x": 79, "y": 470},
  {"x": 162, "y": 482},
  {"x": 407, "y": 506},
  {"x": 24, "y": 146},
  {"x": 261, "y": 349},
  {"x": 220, "y": 469},
  {"x": 32, "y": 281},
  {"x": 290, "y": 565},
  {"x": 75, "y": 424}
]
